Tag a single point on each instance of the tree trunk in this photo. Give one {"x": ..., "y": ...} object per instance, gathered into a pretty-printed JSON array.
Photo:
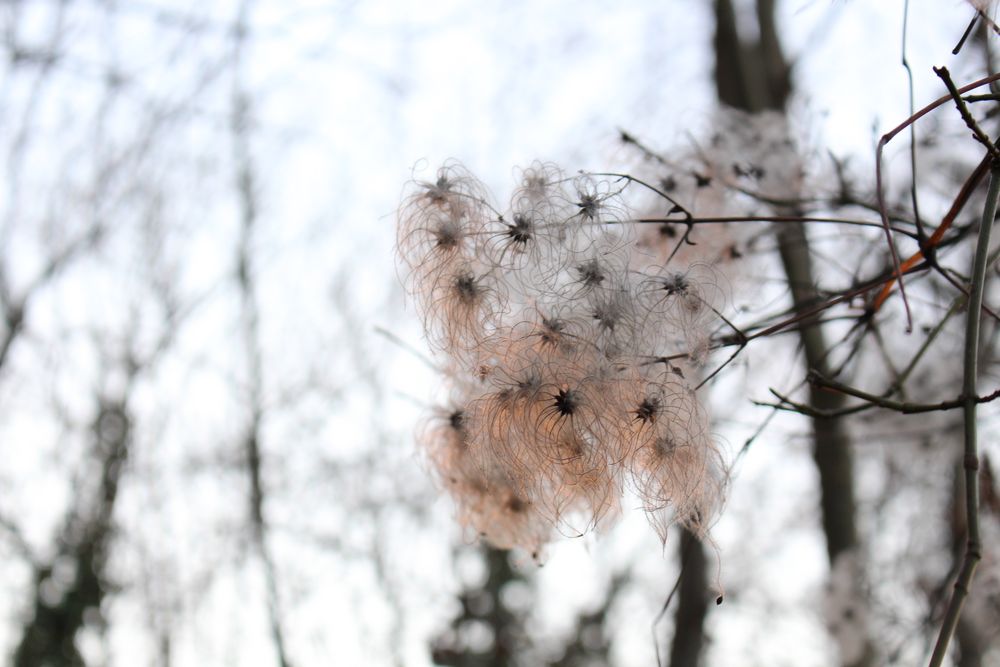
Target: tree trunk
[
  {"x": 692, "y": 603},
  {"x": 755, "y": 77},
  {"x": 70, "y": 588}
]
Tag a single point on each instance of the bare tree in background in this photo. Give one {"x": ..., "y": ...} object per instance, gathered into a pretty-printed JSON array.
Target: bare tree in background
[
  {"x": 71, "y": 579},
  {"x": 246, "y": 186},
  {"x": 70, "y": 586},
  {"x": 754, "y": 76},
  {"x": 105, "y": 213},
  {"x": 493, "y": 628}
]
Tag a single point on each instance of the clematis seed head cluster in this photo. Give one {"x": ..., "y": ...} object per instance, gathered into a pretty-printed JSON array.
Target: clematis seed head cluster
[{"x": 567, "y": 354}]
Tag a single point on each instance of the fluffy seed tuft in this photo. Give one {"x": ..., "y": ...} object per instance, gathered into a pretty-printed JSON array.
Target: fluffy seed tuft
[{"x": 547, "y": 315}]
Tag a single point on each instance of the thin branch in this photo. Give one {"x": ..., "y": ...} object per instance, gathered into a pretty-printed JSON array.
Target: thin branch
[
  {"x": 913, "y": 131},
  {"x": 638, "y": 181},
  {"x": 403, "y": 345},
  {"x": 871, "y": 401},
  {"x": 628, "y": 138},
  {"x": 770, "y": 218},
  {"x": 15, "y": 311},
  {"x": 19, "y": 541},
  {"x": 928, "y": 247},
  {"x": 931, "y": 337},
  {"x": 970, "y": 122},
  {"x": 991, "y": 97},
  {"x": 973, "y": 549},
  {"x": 879, "y": 190},
  {"x": 965, "y": 291},
  {"x": 965, "y": 35}
]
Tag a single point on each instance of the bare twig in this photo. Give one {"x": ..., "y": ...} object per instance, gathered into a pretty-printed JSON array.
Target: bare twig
[
  {"x": 973, "y": 549},
  {"x": 928, "y": 247},
  {"x": 965, "y": 35},
  {"x": 970, "y": 122},
  {"x": 913, "y": 131},
  {"x": 879, "y": 190},
  {"x": 871, "y": 401},
  {"x": 403, "y": 345},
  {"x": 788, "y": 219},
  {"x": 928, "y": 340},
  {"x": 982, "y": 98},
  {"x": 652, "y": 188}
]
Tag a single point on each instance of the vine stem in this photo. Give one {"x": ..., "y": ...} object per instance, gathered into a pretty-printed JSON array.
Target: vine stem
[{"x": 974, "y": 546}]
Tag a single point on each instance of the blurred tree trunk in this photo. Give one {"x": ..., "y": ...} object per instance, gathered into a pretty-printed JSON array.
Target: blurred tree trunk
[
  {"x": 755, "y": 77},
  {"x": 692, "y": 603},
  {"x": 484, "y": 605},
  {"x": 588, "y": 643},
  {"x": 245, "y": 183},
  {"x": 70, "y": 588}
]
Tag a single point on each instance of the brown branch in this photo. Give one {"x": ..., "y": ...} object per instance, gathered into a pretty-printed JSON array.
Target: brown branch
[{"x": 879, "y": 190}]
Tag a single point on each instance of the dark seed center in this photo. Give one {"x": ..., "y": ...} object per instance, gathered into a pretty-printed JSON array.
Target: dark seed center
[{"x": 566, "y": 402}]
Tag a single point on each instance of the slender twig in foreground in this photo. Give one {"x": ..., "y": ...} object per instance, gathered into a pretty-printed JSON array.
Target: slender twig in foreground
[
  {"x": 871, "y": 401},
  {"x": 879, "y": 191},
  {"x": 970, "y": 122},
  {"x": 965, "y": 35},
  {"x": 973, "y": 547},
  {"x": 403, "y": 345},
  {"x": 935, "y": 239},
  {"x": 769, "y": 218},
  {"x": 931, "y": 337},
  {"x": 913, "y": 128}
]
